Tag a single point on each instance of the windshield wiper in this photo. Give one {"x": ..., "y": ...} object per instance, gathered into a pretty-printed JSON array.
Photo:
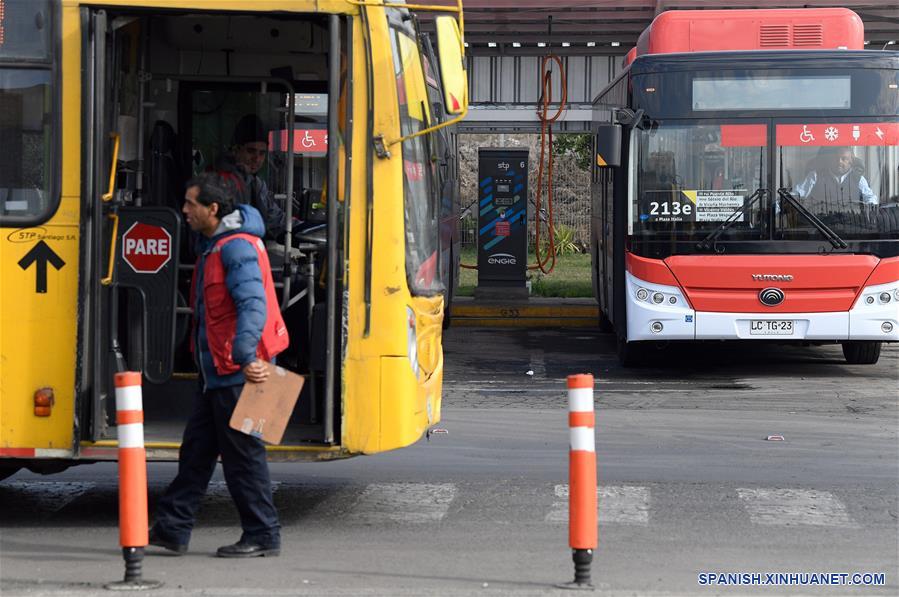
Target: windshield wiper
[
  {"x": 708, "y": 242},
  {"x": 835, "y": 240}
]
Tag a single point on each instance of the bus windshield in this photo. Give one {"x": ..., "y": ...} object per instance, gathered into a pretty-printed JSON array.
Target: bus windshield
[
  {"x": 843, "y": 173},
  {"x": 691, "y": 178},
  {"x": 700, "y": 181}
]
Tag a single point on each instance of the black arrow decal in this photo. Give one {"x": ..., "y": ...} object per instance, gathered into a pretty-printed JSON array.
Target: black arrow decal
[{"x": 41, "y": 254}]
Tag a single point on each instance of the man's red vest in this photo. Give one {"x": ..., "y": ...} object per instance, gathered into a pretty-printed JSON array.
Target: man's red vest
[{"x": 221, "y": 315}]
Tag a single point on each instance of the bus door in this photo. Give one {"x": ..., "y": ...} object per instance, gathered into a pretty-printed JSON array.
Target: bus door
[
  {"x": 152, "y": 123},
  {"x": 130, "y": 251}
]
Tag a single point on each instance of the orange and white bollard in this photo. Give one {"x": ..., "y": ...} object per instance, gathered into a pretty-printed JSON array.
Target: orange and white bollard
[
  {"x": 582, "y": 523},
  {"x": 133, "y": 523}
]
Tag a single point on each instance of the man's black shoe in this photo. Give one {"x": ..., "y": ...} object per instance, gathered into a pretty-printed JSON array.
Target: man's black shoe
[
  {"x": 176, "y": 548},
  {"x": 248, "y": 549}
]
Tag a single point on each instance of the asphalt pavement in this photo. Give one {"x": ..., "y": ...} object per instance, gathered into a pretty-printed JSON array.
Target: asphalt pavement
[{"x": 689, "y": 484}]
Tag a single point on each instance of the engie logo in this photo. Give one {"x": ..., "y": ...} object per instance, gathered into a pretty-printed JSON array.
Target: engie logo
[{"x": 502, "y": 259}]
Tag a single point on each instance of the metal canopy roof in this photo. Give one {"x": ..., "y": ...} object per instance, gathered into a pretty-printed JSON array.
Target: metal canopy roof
[{"x": 602, "y": 22}]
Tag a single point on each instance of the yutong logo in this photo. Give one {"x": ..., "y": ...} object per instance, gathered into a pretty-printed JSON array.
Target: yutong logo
[
  {"x": 771, "y": 296},
  {"x": 502, "y": 259},
  {"x": 772, "y": 277}
]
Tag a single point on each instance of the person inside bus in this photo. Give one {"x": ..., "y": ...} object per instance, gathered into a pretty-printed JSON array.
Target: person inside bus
[
  {"x": 250, "y": 148},
  {"x": 237, "y": 328},
  {"x": 835, "y": 184}
]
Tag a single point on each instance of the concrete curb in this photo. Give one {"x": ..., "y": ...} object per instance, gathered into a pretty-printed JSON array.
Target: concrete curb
[{"x": 533, "y": 313}]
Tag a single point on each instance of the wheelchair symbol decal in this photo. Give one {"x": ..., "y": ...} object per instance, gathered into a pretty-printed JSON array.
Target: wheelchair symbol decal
[{"x": 806, "y": 135}]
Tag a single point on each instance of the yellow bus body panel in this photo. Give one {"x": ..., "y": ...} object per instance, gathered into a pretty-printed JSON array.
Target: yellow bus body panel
[
  {"x": 38, "y": 329},
  {"x": 385, "y": 405},
  {"x": 261, "y": 6}
]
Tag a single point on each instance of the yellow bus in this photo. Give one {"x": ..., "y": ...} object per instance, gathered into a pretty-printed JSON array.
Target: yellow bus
[{"x": 107, "y": 108}]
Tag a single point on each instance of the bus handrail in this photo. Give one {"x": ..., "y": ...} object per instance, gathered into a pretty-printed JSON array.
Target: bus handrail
[
  {"x": 107, "y": 196},
  {"x": 112, "y": 243}
]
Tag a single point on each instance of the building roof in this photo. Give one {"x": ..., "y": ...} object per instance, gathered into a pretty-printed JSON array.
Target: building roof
[{"x": 612, "y": 26}]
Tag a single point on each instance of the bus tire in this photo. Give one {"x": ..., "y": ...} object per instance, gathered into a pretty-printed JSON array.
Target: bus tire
[
  {"x": 631, "y": 354},
  {"x": 8, "y": 470},
  {"x": 862, "y": 352}
]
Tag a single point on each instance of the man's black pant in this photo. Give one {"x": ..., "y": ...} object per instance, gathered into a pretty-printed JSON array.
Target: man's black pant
[{"x": 206, "y": 436}]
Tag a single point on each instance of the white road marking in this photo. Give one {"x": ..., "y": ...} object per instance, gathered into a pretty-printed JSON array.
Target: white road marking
[
  {"x": 784, "y": 507},
  {"x": 403, "y": 502},
  {"x": 617, "y": 504},
  {"x": 50, "y": 496}
]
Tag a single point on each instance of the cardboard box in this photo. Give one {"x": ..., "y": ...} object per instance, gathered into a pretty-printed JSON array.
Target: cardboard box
[{"x": 264, "y": 409}]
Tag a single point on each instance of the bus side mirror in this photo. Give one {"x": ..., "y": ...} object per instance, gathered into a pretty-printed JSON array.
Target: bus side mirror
[
  {"x": 452, "y": 65},
  {"x": 608, "y": 145}
]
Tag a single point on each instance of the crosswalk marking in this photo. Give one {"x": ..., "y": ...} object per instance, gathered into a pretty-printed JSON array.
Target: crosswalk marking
[
  {"x": 794, "y": 507},
  {"x": 419, "y": 503},
  {"x": 617, "y": 504},
  {"x": 218, "y": 490},
  {"x": 50, "y": 496},
  {"x": 403, "y": 502}
]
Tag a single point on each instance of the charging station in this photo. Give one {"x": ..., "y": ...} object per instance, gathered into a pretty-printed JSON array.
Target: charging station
[{"x": 502, "y": 222}]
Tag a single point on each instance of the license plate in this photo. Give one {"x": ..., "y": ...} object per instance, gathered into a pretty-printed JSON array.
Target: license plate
[{"x": 771, "y": 327}]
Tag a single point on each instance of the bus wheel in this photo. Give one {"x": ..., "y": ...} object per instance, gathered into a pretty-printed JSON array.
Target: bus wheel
[
  {"x": 861, "y": 353},
  {"x": 631, "y": 354},
  {"x": 8, "y": 470}
]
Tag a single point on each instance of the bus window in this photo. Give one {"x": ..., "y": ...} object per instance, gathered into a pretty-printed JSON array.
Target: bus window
[
  {"x": 25, "y": 30},
  {"x": 691, "y": 178},
  {"x": 849, "y": 188},
  {"x": 420, "y": 207},
  {"x": 27, "y": 187}
]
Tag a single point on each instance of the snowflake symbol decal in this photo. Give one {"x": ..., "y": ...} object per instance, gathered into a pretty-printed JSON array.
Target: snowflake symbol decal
[{"x": 831, "y": 133}]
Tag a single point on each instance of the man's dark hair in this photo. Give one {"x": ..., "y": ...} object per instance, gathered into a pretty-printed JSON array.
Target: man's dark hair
[
  {"x": 249, "y": 129},
  {"x": 215, "y": 188}
]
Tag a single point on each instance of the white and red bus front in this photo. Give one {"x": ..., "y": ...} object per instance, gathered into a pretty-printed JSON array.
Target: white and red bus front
[{"x": 763, "y": 199}]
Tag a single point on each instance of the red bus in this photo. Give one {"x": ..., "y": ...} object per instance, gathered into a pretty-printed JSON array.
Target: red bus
[{"x": 747, "y": 184}]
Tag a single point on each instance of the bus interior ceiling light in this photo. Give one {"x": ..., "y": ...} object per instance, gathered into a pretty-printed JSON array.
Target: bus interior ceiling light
[
  {"x": 591, "y": 44},
  {"x": 615, "y": 44},
  {"x": 516, "y": 44},
  {"x": 491, "y": 44}
]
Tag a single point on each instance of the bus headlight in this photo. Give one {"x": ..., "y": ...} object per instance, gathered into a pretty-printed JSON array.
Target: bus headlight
[
  {"x": 658, "y": 297},
  {"x": 886, "y": 327},
  {"x": 885, "y": 297},
  {"x": 656, "y": 327},
  {"x": 642, "y": 294}
]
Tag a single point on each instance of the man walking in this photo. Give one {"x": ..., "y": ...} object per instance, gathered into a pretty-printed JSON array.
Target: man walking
[{"x": 237, "y": 328}]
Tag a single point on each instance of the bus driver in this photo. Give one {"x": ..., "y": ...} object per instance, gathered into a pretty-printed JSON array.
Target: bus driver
[{"x": 835, "y": 185}]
